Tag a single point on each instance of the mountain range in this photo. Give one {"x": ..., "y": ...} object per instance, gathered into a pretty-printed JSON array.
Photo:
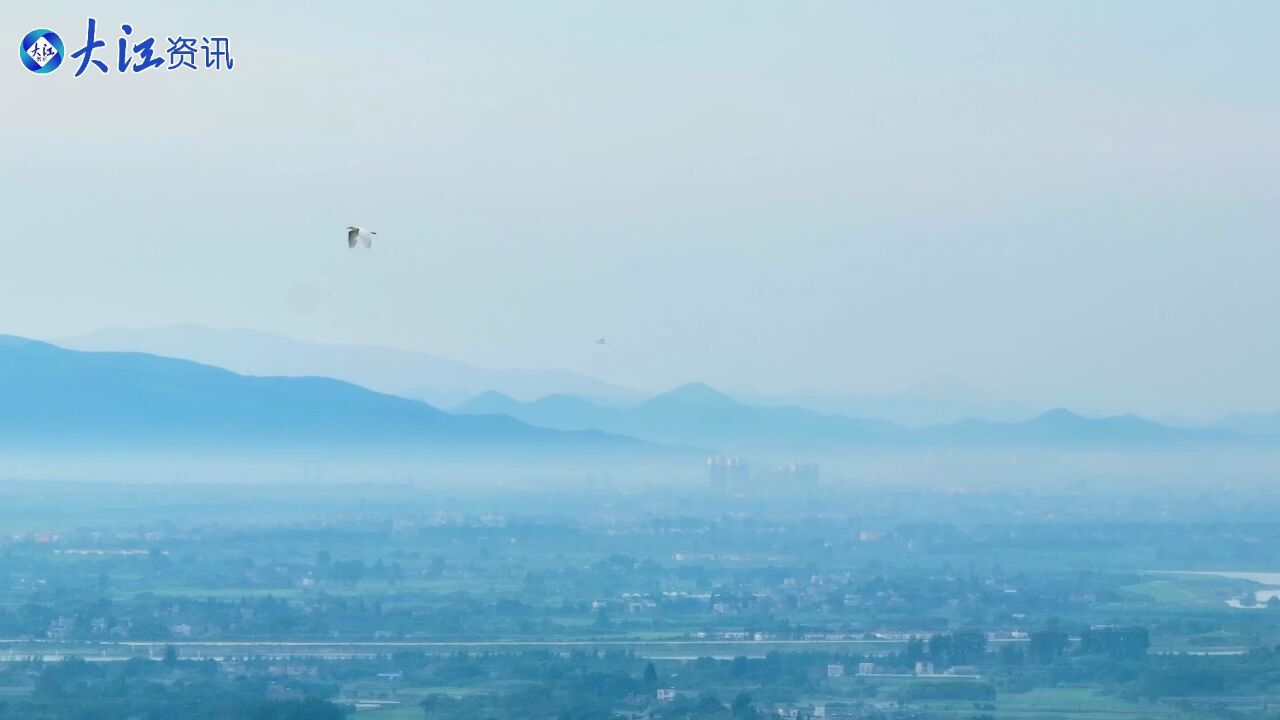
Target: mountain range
[
  {"x": 418, "y": 376},
  {"x": 936, "y": 401},
  {"x": 445, "y": 382},
  {"x": 55, "y": 398},
  {"x": 1253, "y": 423},
  {"x": 697, "y": 414}
]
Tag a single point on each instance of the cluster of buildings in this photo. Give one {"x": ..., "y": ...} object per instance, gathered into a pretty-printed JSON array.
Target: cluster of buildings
[{"x": 730, "y": 475}]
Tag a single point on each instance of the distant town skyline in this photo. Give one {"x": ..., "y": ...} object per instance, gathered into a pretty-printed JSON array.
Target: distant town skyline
[{"x": 1066, "y": 204}]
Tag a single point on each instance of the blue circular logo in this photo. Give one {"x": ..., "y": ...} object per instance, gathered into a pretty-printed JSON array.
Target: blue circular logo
[{"x": 41, "y": 51}]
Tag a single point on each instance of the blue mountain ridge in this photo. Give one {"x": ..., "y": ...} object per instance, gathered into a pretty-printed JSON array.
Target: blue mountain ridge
[
  {"x": 51, "y": 397},
  {"x": 700, "y": 415},
  {"x": 54, "y": 397}
]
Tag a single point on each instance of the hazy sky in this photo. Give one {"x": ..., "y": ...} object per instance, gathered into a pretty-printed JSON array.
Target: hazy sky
[{"x": 1071, "y": 202}]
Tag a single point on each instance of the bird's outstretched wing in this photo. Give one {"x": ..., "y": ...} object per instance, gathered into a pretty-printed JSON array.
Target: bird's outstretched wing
[
  {"x": 351, "y": 237},
  {"x": 367, "y": 239}
]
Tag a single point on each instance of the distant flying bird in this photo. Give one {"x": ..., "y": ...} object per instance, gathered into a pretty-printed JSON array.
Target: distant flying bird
[
  {"x": 602, "y": 341},
  {"x": 357, "y": 233}
]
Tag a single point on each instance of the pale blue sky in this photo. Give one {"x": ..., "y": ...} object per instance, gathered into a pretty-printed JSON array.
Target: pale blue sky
[{"x": 1076, "y": 203}]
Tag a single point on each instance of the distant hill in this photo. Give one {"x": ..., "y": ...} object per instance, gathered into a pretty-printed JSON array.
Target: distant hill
[
  {"x": 936, "y": 401},
  {"x": 1060, "y": 428},
  {"x": 697, "y": 414},
  {"x": 1253, "y": 423},
  {"x": 418, "y": 376},
  {"x": 51, "y": 397},
  {"x": 562, "y": 412}
]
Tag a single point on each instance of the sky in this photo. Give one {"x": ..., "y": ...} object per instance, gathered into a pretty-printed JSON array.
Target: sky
[{"x": 1066, "y": 202}]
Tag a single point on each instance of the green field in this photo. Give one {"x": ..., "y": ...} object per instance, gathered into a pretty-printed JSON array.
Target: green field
[{"x": 1060, "y": 703}]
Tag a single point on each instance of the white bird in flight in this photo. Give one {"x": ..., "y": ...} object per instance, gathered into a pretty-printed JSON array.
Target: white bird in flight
[{"x": 360, "y": 234}]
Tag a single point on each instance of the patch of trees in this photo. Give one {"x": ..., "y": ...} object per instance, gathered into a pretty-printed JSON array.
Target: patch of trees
[
  {"x": 973, "y": 690},
  {"x": 148, "y": 690},
  {"x": 1118, "y": 643}
]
